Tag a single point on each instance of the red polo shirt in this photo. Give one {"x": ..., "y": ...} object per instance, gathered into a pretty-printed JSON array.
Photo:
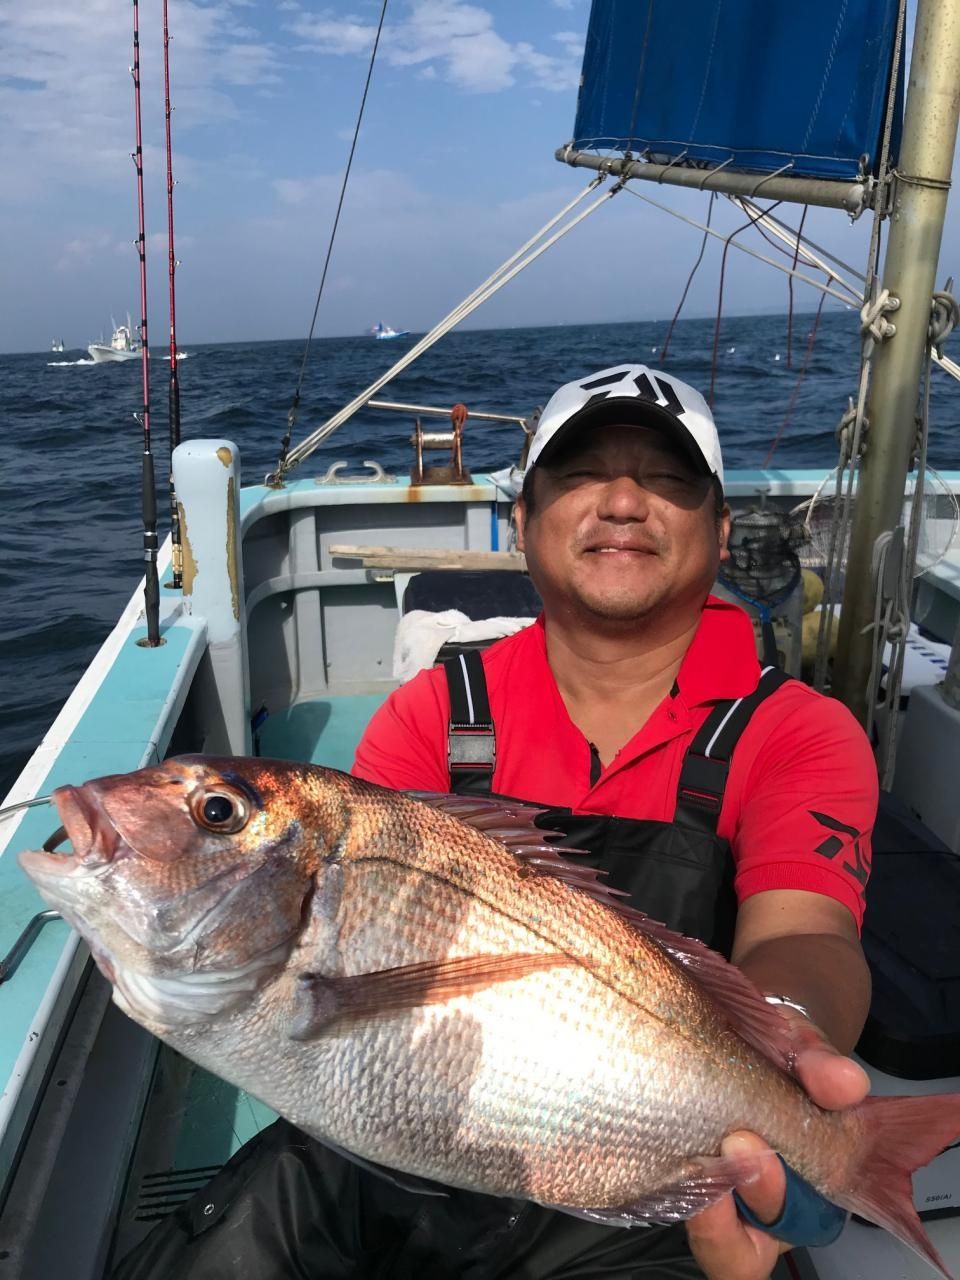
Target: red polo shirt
[{"x": 801, "y": 795}]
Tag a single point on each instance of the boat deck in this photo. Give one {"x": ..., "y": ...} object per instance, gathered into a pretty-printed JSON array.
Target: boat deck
[
  {"x": 194, "y": 1121},
  {"x": 322, "y": 731}
]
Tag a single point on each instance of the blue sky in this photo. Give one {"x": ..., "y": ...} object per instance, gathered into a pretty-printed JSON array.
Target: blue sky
[{"x": 453, "y": 171}]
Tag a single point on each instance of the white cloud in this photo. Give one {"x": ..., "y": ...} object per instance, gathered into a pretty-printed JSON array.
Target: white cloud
[
  {"x": 572, "y": 41},
  {"x": 335, "y": 35},
  {"x": 84, "y": 248},
  {"x": 65, "y": 93},
  {"x": 157, "y": 243},
  {"x": 457, "y": 37},
  {"x": 564, "y": 4}
]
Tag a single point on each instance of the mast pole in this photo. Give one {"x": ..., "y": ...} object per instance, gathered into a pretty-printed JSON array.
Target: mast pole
[
  {"x": 151, "y": 588},
  {"x": 916, "y": 228},
  {"x": 174, "y": 389}
]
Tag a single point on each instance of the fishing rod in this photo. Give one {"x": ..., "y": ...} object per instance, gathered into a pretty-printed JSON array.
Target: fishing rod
[
  {"x": 151, "y": 586},
  {"x": 174, "y": 389}
]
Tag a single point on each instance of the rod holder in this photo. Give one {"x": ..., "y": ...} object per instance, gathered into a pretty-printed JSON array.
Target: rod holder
[{"x": 206, "y": 475}]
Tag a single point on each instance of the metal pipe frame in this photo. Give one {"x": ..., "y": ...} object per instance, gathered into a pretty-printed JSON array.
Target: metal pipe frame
[
  {"x": 853, "y": 197},
  {"x": 443, "y": 413}
]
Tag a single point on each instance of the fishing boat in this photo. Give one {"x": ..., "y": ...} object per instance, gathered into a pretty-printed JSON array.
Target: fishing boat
[
  {"x": 267, "y": 623},
  {"x": 382, "y": 331},
  {"x": 123, "y": 345}
]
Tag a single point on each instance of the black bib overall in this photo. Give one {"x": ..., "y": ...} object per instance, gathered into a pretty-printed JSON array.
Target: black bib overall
[
  {"x": 287, "y": 1207},
  {"x": 679, "y": 872}
]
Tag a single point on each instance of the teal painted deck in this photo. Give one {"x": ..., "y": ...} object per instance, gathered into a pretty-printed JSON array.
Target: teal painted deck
[
  {"x": 217, "y": 1118},
  {"x": 125, "y": 727},
  {"x": 323, "y": 731}
]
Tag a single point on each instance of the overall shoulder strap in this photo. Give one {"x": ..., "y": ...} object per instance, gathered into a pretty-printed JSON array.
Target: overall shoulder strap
[
  {"x": 471, "y": 736},
  {"x": 703, "y": 777}
]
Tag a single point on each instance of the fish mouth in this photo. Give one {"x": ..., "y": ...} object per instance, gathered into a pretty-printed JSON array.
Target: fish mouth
[{"x": 94, "y": 838}]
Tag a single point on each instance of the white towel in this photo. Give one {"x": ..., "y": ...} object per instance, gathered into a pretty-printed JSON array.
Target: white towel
[{"x": 421, "y": 634}]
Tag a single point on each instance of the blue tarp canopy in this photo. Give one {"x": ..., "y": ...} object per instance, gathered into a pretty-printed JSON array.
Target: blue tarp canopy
[{"x": 759, "y": 83}]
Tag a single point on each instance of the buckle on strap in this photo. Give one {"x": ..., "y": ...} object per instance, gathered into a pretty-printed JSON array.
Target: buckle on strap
[
  {"x": 471, "y": 746},
  {"x": 702, "y": 782}
]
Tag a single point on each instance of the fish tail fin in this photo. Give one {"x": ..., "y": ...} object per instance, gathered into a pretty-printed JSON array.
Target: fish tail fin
[{"x": 901, "y": 1135}]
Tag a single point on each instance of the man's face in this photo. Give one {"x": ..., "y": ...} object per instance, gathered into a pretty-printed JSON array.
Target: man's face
[{"x": 622, "y": 526}]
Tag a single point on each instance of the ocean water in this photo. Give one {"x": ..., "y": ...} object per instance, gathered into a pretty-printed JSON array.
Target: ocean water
[{"x": 70, "y": 448}]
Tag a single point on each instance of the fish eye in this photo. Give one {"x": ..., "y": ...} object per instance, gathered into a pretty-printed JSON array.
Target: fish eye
[
  {"x": 220, "y": 811},
  {"x": 217, "y": 810}
]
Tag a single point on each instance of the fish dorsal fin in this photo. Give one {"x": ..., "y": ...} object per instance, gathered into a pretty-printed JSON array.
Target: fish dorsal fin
[
  {"x": 511, "y": 822},
  {"x": 761, "y": 1024}
]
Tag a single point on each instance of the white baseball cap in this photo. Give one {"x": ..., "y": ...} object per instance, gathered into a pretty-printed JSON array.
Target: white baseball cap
[{"x": 632, "y": 395}]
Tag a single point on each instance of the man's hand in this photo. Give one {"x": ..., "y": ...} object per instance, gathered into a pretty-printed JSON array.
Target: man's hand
[{"x": 726, "y": 1247}]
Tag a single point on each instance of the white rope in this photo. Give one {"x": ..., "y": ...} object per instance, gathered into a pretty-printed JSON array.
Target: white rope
[
  {"x": 872, "y": 323},
  {"x": 890, "y": 625},
  {"x": 896, "y": 623},
  {"x": 504, "y": 273},
  {"x": 821, "y": 258},
  {"x": 814, "y": 254},
  {"x": 873, "y": 328},
  {"x": 850, "y": 296}
]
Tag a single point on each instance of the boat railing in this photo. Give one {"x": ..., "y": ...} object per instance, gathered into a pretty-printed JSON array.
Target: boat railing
[{"x": 439, "y": 412}]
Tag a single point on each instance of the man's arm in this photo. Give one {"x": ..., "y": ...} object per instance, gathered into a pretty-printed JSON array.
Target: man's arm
[
  {"x": 805, "y": 946},
  {"x": 810, "y": 810},
  {"x": 822, "y": 968}
]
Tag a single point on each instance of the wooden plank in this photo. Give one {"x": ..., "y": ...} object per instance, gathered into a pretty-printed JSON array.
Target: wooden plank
[{"x": 427, "y": 558}]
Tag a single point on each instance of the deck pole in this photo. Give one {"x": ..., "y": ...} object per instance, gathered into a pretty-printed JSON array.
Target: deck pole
[
  {"x": 916, "y": 227},
  {"x": 206, "y": 475}
]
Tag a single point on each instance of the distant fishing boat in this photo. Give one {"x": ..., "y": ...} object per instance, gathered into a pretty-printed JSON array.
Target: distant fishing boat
[
  {"x": 123, "y": 345},
  {"x": 56, "y": 345},
  {"x": 381, "y": 330}
]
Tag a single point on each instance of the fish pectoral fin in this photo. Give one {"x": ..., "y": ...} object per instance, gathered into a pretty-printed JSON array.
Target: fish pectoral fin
[
  {"x": 705, "y": 1181},
  {"x": 320, "y": 1001}
]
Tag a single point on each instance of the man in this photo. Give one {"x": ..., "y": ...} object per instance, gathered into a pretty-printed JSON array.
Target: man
[
  {"x": 721, "y": 800},
  {"x": 602, "y": 708}
]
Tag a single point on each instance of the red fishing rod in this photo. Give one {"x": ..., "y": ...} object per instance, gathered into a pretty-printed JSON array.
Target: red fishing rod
[
  {"x": 174, "y": 393},
  {"x": 151, "y": 589}
]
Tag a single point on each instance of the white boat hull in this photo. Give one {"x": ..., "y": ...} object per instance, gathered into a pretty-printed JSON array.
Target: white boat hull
[{"x": 102, "y": 353}]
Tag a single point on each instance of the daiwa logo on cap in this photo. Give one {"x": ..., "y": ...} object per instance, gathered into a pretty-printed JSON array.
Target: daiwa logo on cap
[
  {"x": 642, "y": 386},
  {"x": 645, "y": 397}
]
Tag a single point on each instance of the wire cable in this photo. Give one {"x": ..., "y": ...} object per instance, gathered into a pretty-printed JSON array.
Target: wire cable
[
  {"x": 686, "y": 289},
  {"x": 295, "y": 405}
]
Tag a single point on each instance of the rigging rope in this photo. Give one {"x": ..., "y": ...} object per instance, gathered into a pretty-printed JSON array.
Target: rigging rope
[
  {"x": 814, "y": 254},
  {"x": 503, "y": 274},
  {"x": 295, "y": 404},
  {"x": 851, "y": 295},
  {"x": 874, "y": 328},
  {"x": 891, "y": 619},
  {"x": 723, "y": 268},
  {"x": 686, "y": 288},
  {"x": 811, "y": 340},
  {"x": 796, "y": 255}
]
